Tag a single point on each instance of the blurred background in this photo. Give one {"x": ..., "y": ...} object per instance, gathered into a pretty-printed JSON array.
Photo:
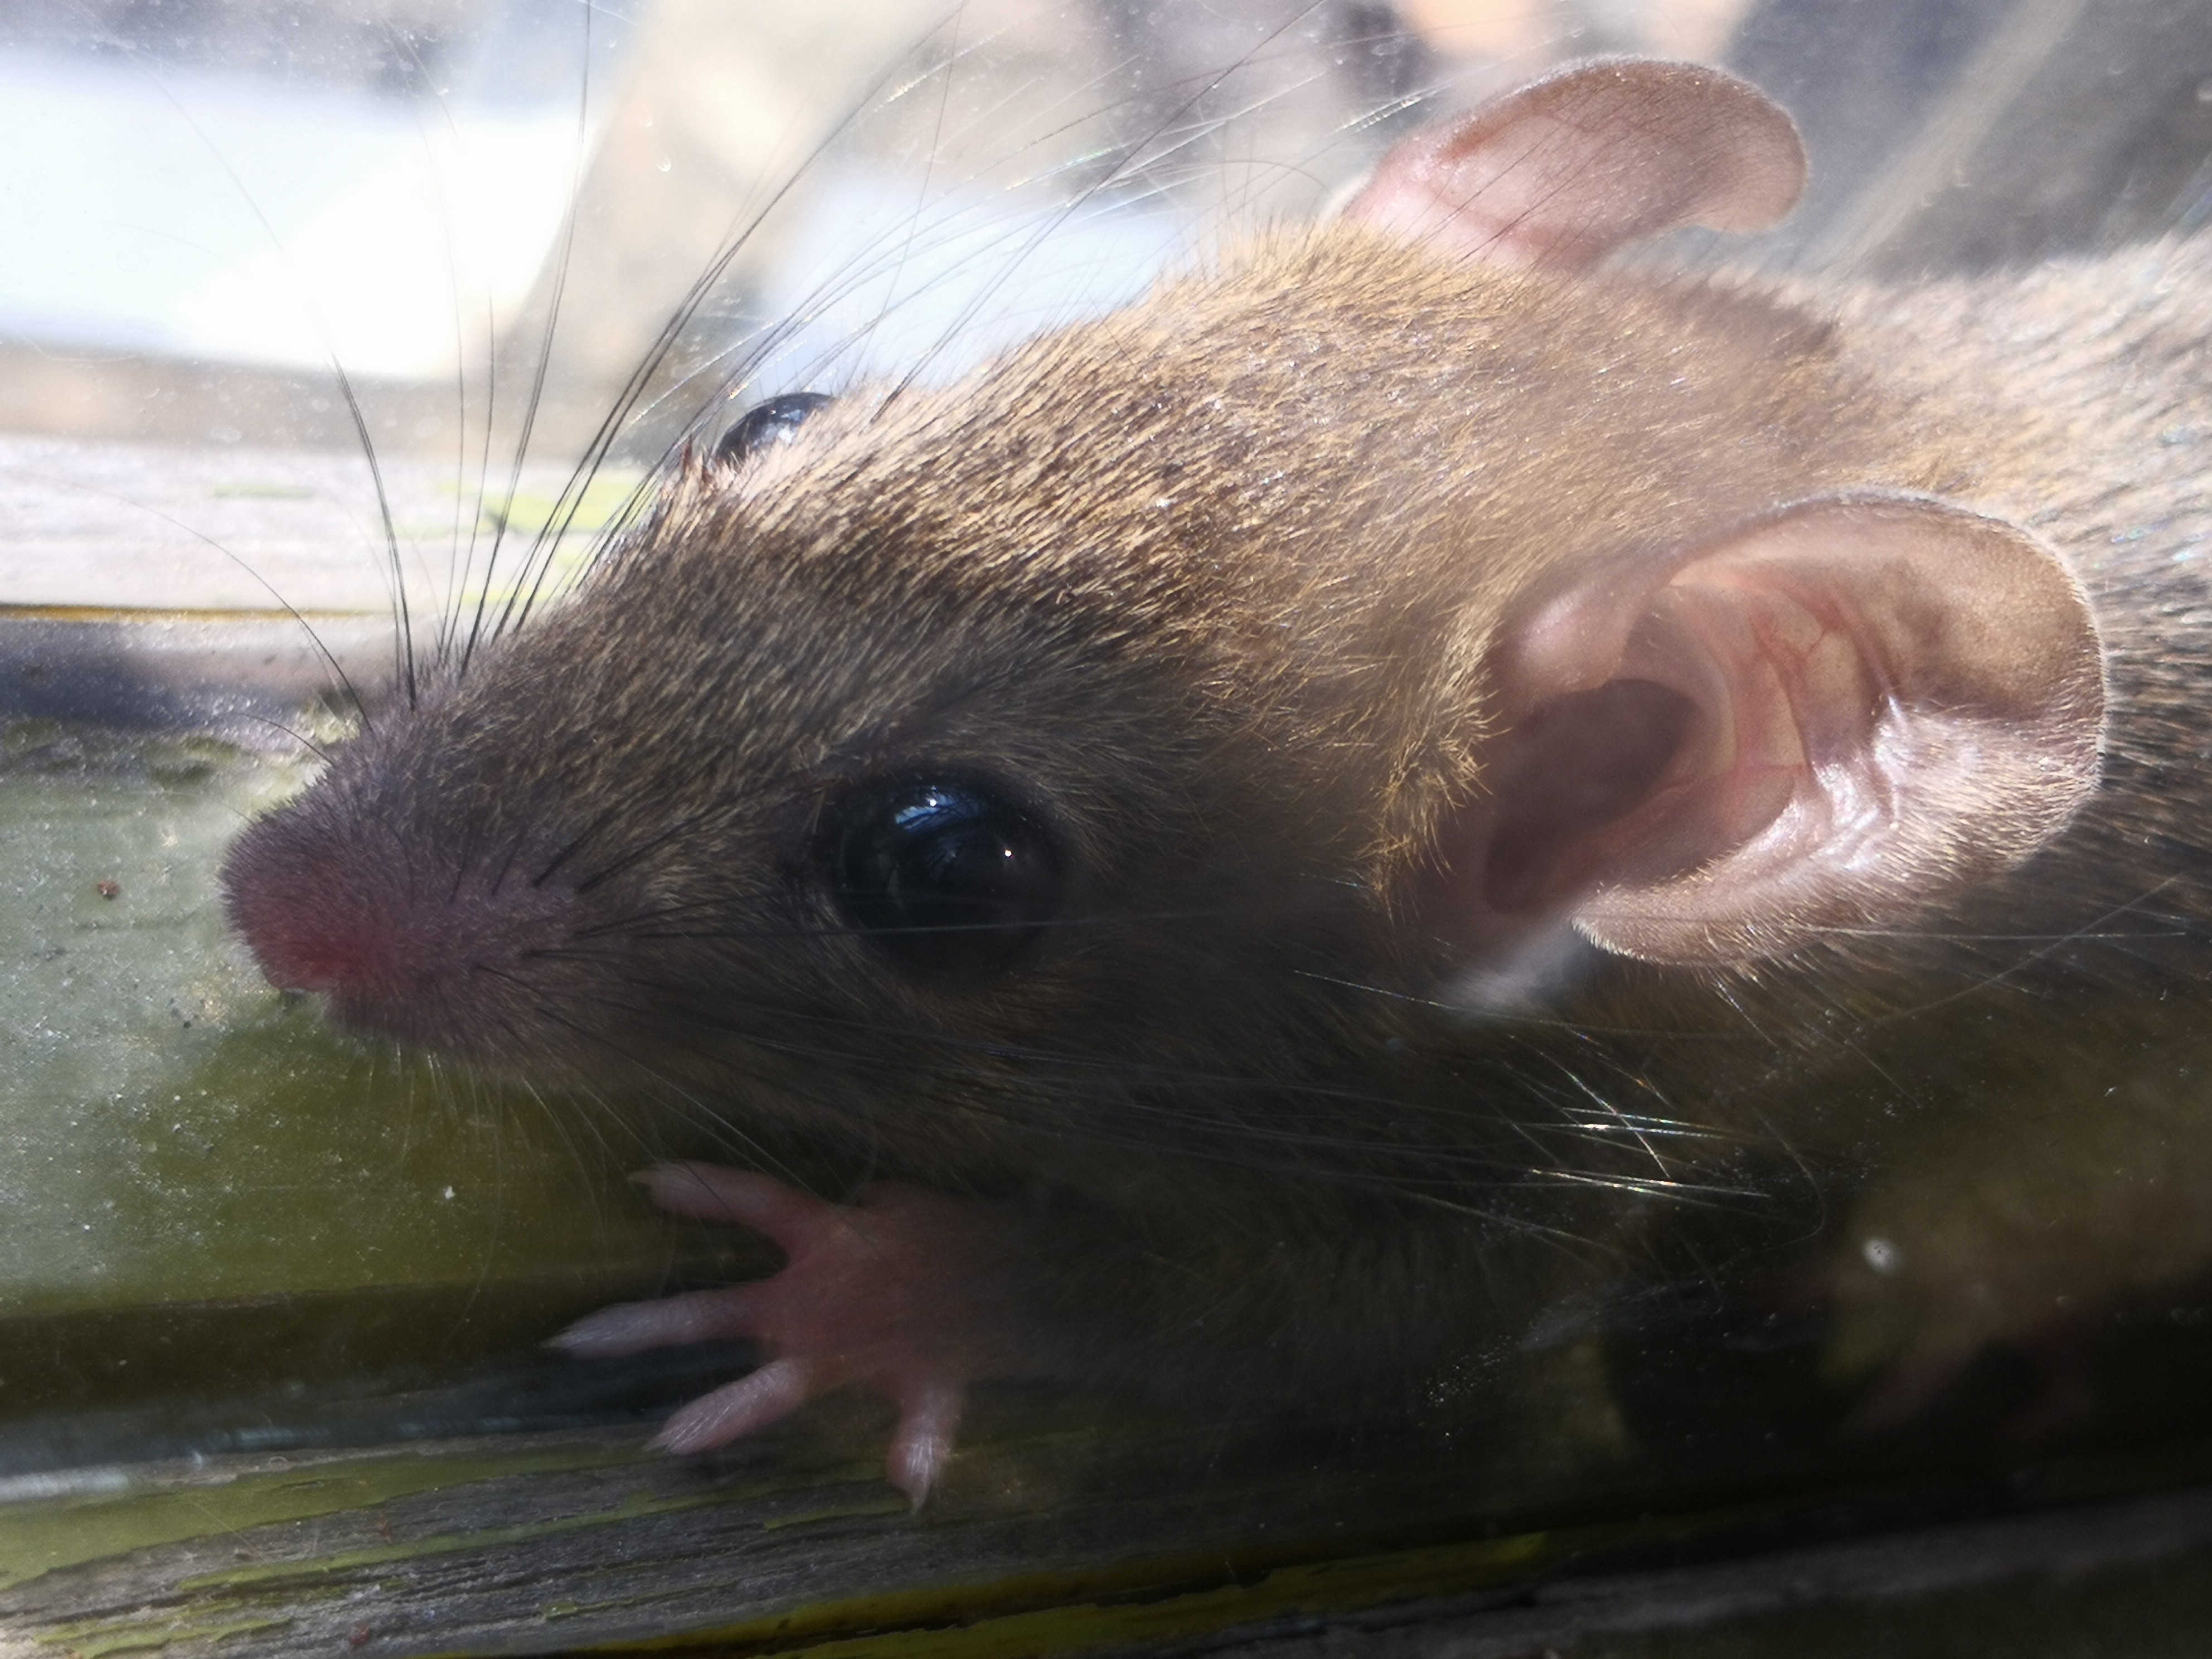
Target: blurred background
[{"x": 481, "y": 215}]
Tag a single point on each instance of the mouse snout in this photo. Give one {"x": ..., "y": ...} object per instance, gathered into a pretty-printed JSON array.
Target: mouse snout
[{"x": 396, "y": 945}]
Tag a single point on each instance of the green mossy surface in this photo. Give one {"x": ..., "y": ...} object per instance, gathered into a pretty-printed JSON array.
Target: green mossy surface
[{"x": 173, "y": 1132}]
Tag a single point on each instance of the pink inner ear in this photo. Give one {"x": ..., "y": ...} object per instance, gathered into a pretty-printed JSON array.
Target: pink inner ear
[
  {"x": 1787, "y": 684},
  {"x": 1578, "y": 765},
  {"x": 1832, "y": 719},
  {"x": 1740, "y": 697},
  {"x": 1561, "y": 172}
]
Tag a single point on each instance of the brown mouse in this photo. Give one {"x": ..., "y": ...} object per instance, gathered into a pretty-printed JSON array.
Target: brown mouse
[{"x": 1275, "y": 825}]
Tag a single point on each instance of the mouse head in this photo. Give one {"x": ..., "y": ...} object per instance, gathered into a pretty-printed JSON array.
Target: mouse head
[{"x": 1360, "y": 614}]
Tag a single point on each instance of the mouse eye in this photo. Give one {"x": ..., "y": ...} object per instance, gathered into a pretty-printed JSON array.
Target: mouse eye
[
  {"x": 942, "y": 877},
  {"x": 763, "y": 425}
]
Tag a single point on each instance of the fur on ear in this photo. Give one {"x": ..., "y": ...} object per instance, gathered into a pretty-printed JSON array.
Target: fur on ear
[
  {"x": 1563, "y": 172},
  {"x": 1834, "y": 717}
]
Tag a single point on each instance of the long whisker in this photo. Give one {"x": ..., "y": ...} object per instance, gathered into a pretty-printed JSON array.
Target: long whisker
[
  {"x": 520, "y": 603},
  {"x": 403, "y": 642},
  {"x": 322, "y": 649},
  {"x": 1129, "y": 156},
  {"x": 1123, "y": 1078}
]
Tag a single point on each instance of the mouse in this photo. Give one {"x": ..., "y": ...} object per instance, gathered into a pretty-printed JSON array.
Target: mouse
[{"x": 1274, "y": 835}]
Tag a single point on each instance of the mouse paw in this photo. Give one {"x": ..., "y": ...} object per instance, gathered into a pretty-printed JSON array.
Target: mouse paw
[
  {"x": 2059, "y": 1396},
  {"x": 882, "y": 1293}
]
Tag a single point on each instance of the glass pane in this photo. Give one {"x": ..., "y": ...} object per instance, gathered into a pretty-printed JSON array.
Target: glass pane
[{"x": 1387, "y": 825}]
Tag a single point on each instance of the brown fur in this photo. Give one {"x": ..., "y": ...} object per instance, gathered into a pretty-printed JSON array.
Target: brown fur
[{"x": 1216, "y": 582}]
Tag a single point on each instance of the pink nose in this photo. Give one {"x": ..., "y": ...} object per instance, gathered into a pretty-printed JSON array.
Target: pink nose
[
  {"x": 309, "y": 913},
  {"x": 333, "y": 899}
]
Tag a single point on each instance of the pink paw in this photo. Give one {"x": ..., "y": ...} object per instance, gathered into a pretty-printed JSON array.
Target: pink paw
[
  {"x": 881, "y": 1293},
  {"x": 2063, "y": 1399}
]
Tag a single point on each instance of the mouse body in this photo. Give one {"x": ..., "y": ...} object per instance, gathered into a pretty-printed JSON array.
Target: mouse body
[{"x": 1279, "y": 832}]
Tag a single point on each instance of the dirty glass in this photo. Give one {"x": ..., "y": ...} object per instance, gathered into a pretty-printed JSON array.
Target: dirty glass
[{"x": 1271, "y": 1056}]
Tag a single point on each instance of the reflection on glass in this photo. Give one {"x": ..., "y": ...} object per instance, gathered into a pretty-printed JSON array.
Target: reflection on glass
[{"x": 1549, "y": 887}]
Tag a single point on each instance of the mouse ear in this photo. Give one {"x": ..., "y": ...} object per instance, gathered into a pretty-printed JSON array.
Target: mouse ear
[
  {"x": 1562, "y": 172},
  {"x": 1833, "y": 718}
]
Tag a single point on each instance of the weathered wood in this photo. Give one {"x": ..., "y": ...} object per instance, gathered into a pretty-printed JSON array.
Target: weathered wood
[{"x": 1061, "y": 1528}]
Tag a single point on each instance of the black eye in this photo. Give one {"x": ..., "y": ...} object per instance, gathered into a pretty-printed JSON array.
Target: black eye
[
  {"x": 946, "y": 878},
  {"x": 774, "y": 422}
]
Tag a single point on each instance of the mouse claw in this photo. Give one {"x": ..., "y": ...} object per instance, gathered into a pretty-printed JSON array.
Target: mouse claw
[
  {"x": 767, "y": 1396},
  {"x": 707, "y": 1192},
  {"x": 929, "y": 1418},
  {"x": 632, "y": 1326},
  {"x": 884, "y": 1294}
]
